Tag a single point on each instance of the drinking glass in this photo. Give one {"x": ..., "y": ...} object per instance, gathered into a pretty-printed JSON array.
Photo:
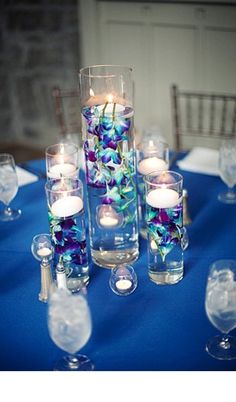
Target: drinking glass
[
  {"x": 70, "y": 327},
  {"x": 220, "y": 304},
  {"x": 227, "y": 168},
  {"x": 8, "y": 187}
]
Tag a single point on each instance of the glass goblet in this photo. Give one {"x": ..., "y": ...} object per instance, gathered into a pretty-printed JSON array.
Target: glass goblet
[
  {"x": 220, "y": 305},
  {"x": 227, "y": 168},
  {"x": 8, "y": 187},
  {"x": 43, "y": 251},
  {"x": 41, "y": 247},
  {"x": 70, "y": 327}
]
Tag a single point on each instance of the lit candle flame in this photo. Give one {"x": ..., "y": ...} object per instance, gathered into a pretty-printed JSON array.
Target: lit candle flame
[
  {"x": 91, "y": 93},
  {"x": 110, "y": 98}
]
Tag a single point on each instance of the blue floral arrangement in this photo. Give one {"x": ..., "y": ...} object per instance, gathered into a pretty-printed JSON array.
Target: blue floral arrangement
[
  {"x": 109, "y": 164},
  {"x": 164, "y": 228},
  {"x": 66, "y": 238}
]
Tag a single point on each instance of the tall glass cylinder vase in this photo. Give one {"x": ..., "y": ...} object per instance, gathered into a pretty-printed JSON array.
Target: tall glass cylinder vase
[
  {"x": 164, "y": 217},
  {"x": 107, "y": 114}
]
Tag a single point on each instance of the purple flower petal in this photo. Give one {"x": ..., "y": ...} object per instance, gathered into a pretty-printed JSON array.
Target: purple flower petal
[
  {"x": 92, "y": 156},
  {"x": 67, "y": 224},
  {"x": 107, "y": 200}
]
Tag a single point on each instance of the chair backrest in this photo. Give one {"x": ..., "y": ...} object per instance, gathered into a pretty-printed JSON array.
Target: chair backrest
[
  {"x": 199, "y": 115},
  {"x": 67, "y": 110}
]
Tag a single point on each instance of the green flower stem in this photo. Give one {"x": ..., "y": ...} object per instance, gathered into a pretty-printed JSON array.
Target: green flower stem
[
  {"x": 113, "y": 111},
  {"x": 127, "y": 167},
  {"x": 103, "y": 112}
]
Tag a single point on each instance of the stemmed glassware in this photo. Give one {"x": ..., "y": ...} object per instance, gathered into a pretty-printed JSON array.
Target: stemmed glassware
[
  {"x": 227, "y": 168},
  {"x": 8, "y": 187},
  {"x": 70, "y": 327},
  {"x": 220, "y": 304},
  {"x": 43, "y": 251}
]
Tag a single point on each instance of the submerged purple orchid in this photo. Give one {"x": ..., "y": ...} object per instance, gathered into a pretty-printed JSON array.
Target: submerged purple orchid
[
  {"x": 109, "y": 165},
  {"x": 68, "y": 240},
  {"x": 164, "y": 227}
]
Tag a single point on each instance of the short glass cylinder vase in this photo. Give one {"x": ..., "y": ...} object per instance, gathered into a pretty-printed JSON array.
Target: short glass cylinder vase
[
  {"x": 67, "y": 229},
  {"x": 62, "y": 161},
  {"x": 164, "y": 217},
  {"x": 107, "y": 114},
  {"x": 152, "y": 155}
]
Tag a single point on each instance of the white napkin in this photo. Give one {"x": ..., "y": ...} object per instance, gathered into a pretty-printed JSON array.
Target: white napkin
[
  {"x": 25, "y": 177},
  {"x": 201, "y": 160}
]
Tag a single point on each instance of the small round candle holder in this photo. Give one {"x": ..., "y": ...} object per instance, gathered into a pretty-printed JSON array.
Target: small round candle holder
[
  {"x": 108, "y": 217},
  {"x": 43, "y": 251},
  {"x": 123, "y": 280},
  {"x": 62, "y": 161}
]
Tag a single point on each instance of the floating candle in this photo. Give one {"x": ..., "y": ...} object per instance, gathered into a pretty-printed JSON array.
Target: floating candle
[
  {"x": 111, "y": 108},
  {"x": 123, "y": 284},
  {"x": 62, "y": 170},
  {"x": 148, "y": 165},
  {"x": 67, "y": 206},
  {"x": 163, "y": 198},
  {"x": 107, "y": 103}
]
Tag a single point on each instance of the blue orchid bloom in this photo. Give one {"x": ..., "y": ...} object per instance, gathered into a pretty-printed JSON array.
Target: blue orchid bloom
[{"x": 108, "y": 155}]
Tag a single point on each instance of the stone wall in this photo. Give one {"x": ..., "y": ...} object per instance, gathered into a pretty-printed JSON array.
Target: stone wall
[{"x": 39, "y": 48}]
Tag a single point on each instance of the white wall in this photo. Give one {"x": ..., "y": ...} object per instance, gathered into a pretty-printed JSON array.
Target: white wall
[{"x": 192, "y": 45}]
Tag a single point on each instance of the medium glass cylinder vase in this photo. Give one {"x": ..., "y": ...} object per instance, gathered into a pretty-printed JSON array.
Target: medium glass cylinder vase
[
  {"x": 107, "y": 115},
  {"x": 164, "y": 218},
  {"x": 67, "y": 229}
]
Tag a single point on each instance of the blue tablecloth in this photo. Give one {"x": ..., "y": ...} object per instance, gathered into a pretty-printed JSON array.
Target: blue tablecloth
[{"x": 155, "y": 328}]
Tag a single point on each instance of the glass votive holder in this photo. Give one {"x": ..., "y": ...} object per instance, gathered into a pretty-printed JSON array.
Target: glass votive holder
[
  {"x": 152, "y": 155},
  {"x": 62, "y": 161},
  {"x": 123, "y": 280}
]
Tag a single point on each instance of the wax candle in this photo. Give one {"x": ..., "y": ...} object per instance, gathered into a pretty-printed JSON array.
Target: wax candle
[
  {"x": 62, "y": 170},
  {"x": 123, "y": 284},
  {"x": 111, "y": 108},
  {"x": 67, "y": 206},
  {"x": 108, "y": 221},
  {"x": 44, "y": 252},
  {"x": 148, "y": 165},
  {"x": 108, "y": 217},
  {"x": 163, "y": 198},
  {"x": 106, "y": 102}
]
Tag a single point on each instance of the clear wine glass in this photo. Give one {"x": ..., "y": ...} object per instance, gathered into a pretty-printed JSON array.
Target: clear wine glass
[
  {"x": 227, "y": 168},
  {"x": 220, "y": 304},
  {"x": 8, "y": 187},
  {"x": 70, "y": 327}
]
